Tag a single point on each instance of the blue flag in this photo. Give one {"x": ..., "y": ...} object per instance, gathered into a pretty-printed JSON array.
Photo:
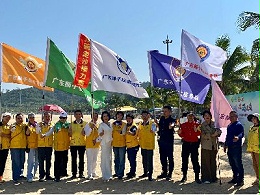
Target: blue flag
[{"x": 166, "y": 72}]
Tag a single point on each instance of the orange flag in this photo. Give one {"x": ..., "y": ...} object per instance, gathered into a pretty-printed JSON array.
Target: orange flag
[{"x": 22, "y": 68}]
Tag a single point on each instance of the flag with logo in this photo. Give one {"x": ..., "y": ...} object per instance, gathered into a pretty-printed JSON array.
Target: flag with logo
[
  {"x": 112, "y": 73},
  {"x": 166, "y": 72},
  {"x": 22, "y": 68},
  {"x": 202, "y": 58},
  {"x": 220, "y": 109},
  {"x": 59, "y": 74}
]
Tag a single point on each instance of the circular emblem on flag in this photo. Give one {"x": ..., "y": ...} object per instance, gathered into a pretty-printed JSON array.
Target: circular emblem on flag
[
  {"x": 30, "y": 64},
  {"x": 123, "y": 66},
  {"x": 203, "y": 52},
  {"x": 177, "y": 71}
]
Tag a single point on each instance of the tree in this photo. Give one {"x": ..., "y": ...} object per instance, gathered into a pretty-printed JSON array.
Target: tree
[{"x": 248, "y": 19}]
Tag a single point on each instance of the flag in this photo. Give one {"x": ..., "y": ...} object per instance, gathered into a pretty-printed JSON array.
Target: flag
[
  {"x": 22, "y": 68},
  {"x": 59, "y": 74},
  {"x": 111, "y": 73},
  {"x": 165, "y": 72},
  {"x": 220, "y": 109},
  {"x": 201, "y": 57},
  {"x": 83, "y": 68}
]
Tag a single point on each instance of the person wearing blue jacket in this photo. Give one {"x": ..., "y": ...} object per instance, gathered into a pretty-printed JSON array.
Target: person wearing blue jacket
[{"x": 233, "y": 145}]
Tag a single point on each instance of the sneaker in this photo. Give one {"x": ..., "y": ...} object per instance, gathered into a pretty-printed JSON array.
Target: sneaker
[
  {"x": 49, "y": 178},
  {"x": 238, "y": 184},
  {"x": 206, "y": 182},
  {"x": 198, "y": 181},
  {"x": 150, "y": 178},
  {"x": 232, "y": 181},
  {"x": 144, "y": 175},
  {"x": 57, "y": 179},
  {"x": 73, "y": 177},
  {"x": 22, "y": 177},
  {"x": 90, "y": 177},
  {"x": 81, "y": 176},
  {"x": 41, "y": 180},
  {"x": 184, "y": 178},
  {"x": 16, "y": 181},
  {"x": 94, "y": 175},
  {"x": 163, "y": 175},
  {"x": 115, "y": 175},
  {"x": 29, "y": 180},
  {"x": 120, "y": 177}
]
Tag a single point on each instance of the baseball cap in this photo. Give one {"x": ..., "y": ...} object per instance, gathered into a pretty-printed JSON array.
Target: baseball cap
[
  {"x": 250, "y": 116},
  {"x": 190, "y": 113},
  {"x": 63, "y": 115},
  {"x": 31, "y": 115},
  {"x": 7, "y": 114}
]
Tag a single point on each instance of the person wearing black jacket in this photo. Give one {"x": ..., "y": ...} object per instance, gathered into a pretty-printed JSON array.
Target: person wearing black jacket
[{"x": 165, "y": 142}]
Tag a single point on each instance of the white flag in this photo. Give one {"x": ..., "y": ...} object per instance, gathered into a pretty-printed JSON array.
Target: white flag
[
  {"x": 202, "y": 58},
  {"x": 111, "y": 73}
]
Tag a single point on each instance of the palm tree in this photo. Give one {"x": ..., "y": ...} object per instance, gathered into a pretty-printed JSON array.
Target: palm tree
[{"x": 248, "y": 19}]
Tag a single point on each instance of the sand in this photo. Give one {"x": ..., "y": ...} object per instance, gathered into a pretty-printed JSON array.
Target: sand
[{"x": 135, "y": 185}]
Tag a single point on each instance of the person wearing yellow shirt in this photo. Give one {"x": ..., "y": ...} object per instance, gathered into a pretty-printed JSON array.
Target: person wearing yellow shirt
[
  {"x": 61, "y": 144},
  {"x": 77, "y": 144},
  {"x": 32, "y": 147},
  {"x": 17, "y": 147},
  {"x": 119, "y": 144},
  {"x": 253, "y": 143},
  {"x": 146, "y": 133},
  {"x": 132, "y": 144},
  {"x": 5, "y": 135},
  {"x": 92, "y": 145},
  {"x": 44, "y": 147}
]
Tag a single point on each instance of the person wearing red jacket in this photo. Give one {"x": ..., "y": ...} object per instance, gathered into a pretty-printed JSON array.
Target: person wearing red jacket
[{"x": 189, "y": 133}]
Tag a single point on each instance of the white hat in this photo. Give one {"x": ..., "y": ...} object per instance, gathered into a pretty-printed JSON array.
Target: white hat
[
  {"x": 63, "y": 114},
  {"x": 7, "y": 114}
]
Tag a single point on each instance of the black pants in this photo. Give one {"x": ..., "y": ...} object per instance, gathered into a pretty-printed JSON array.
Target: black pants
[
  {"x": 166, "y": 157},
  {"x": 131, "y": 155},
  {"x": 147, "y": 159},
  {"x": 3, "y": 158},
  {"x": 59, "y": 163},
  {"x": 64, "y": 171},
  {"x": 81, "y": 151},
  {"x": 44, "y": 154},
  {"x": 190, "y": 148}
]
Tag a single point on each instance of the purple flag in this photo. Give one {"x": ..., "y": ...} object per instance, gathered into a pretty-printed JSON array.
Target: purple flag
[{"x": 165, "y": 72}]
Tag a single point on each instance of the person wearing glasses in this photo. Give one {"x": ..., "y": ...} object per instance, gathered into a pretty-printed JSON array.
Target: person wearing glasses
[{"x": 61, "y": 145}]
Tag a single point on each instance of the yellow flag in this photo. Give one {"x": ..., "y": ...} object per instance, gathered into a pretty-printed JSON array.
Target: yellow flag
[{"x": 22, "y": 68}]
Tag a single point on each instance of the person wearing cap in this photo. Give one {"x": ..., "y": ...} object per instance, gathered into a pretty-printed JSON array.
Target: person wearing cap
[
  {"x": 32, "y": 147},
  {"x": 165, "y": 142},
  {"x": 189, "y": 133},
  {"x": 5, "y": 135},
  {"x": 77, "y": 144},
  {"x": 146, "y": 134},
  {"x": 45, "y": 145},
  {"x": 105, "y": 135},
  {"x": 253, "y": 143},
  {"x": 119, "y": 144},
  {"x": 233, "y": 145},
  {"x": 132, "y": 144},
  {"x": 209, "y": 148},
  {"x": 17, "y": 147},
  {"x": 92, "y": 145},
  {"x": 61, "y": 145}
]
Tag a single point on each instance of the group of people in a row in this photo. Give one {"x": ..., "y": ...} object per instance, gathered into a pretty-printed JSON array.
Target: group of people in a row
[{"x": 79, "y": 136}]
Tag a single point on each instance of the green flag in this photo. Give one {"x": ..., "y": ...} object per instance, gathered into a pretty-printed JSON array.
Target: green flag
[{"x": 59, "y": 74}]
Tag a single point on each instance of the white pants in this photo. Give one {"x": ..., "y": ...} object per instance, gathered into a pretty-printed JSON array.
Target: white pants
[
  {"x": 32, "y": 163},
  {"x": 106, "y": 161},
  {"x": 92, "y": 154}
]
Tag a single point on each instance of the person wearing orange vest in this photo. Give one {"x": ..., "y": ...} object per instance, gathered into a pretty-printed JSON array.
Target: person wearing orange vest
[
  {"x": 119, "y": 144},
  {"x": 132, "y": 144},
  {"x": 92, "y": 145},
  {"x": 32, "y": 146},
  {"x": 61, "y": 144},
  {"x": 5, "y": 135},
  {"x": 17, "y": 147},
  {"x": 77, "y": 144},
  {"x": 44, "y": 147},
  {"x": 146, "y": 134}
]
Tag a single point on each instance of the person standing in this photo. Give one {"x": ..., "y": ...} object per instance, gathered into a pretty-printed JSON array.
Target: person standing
[
  {"x": 253, "y": 143},
  {"x": 189, "y": 133},
  {"x": 146, "y": 134},
  {"x": 45, "y": 145},
  {"x": 105, "y": 135},
  {"x": 233, "y": 145},
  {"x": 17, "y": 147},
  {"x": 92, "y": 145},
  {"x": 61, "y": 144},
  {"x": 5, "y": 135},
  {"x": 209, "y": 148},
  {"x": 166, "y": 142},
  {"x": 77, "y": 144},
  {"x": 32, "y": 146},
  {"x": 119, "y": 144},
  {"x": 132, "y": 144}
]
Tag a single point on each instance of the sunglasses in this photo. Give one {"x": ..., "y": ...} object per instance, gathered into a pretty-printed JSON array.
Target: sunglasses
[{"x": 63, "y": 117}]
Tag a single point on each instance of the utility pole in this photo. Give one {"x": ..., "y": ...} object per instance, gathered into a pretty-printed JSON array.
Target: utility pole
[{"x": 167, "y": 42}]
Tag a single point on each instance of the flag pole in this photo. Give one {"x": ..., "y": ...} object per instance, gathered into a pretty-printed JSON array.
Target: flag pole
[{"x": 151, "y": 82}]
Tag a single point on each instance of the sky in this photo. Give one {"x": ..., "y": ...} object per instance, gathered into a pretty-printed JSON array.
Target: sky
[{"x": 130, "y": 28}]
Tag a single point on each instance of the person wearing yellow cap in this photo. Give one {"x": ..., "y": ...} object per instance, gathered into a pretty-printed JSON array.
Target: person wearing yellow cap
[
  {"x": 61, "y": 144},
  {"x": 5, "y": 135}
]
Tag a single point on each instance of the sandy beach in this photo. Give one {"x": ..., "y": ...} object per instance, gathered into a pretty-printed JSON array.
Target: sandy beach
[{"x": 135, "y": 185}]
